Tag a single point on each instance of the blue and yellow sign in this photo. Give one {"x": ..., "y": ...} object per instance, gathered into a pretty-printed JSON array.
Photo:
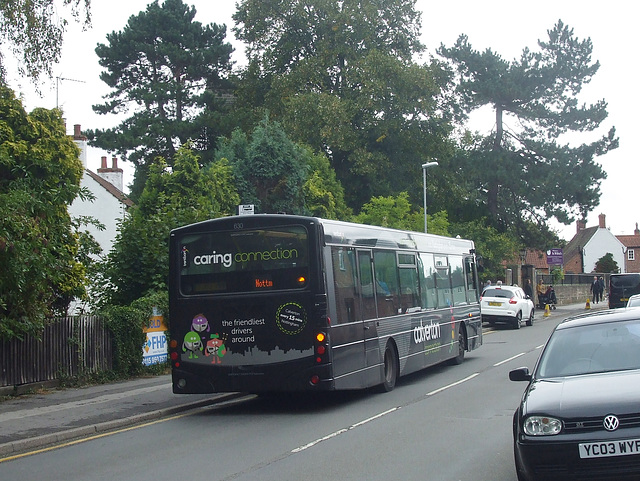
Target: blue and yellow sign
[{"x": 154, "y": 350}]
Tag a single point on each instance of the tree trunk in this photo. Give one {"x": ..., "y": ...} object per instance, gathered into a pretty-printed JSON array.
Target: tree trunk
[{"x": 492, "y": 194}]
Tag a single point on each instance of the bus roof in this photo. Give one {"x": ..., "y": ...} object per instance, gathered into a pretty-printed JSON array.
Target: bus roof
[
  {"x": 350, "y": 234},
  {"x": 347, "y": 233}
]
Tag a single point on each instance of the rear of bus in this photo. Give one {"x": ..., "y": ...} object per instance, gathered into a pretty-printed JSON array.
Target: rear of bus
[{"x": 248, "y": 306}]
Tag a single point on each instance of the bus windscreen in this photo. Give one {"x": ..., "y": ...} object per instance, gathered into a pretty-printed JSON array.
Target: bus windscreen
[{"x": 274, "y": 258}]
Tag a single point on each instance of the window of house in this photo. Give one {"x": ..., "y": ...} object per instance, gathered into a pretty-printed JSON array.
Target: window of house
[{"x": 631, "y": 255}]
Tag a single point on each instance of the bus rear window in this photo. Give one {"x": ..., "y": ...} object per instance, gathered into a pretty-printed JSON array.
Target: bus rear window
[{"x": 244, "y": 261}]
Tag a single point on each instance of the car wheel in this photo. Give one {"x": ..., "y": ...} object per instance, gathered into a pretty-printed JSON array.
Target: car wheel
[
  {"x": 530, "y": 320},
  {"x": 390, "y": 368},
  {"x": 518, "y": 321}
]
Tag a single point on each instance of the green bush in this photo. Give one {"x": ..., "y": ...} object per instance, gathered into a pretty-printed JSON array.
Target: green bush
[{"x": 126, "y": 323}]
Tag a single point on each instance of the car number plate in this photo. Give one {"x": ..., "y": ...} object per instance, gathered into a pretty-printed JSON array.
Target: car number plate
[
  {"x": 494, "y": 303},
  {"x": 609, "y": 448}
]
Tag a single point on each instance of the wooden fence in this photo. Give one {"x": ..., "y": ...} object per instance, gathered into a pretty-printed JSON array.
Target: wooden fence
[{"x": 69, "y": 346}]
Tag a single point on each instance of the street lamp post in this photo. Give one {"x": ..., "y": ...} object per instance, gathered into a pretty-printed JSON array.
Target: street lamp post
[{"x": 424, "y": 183}]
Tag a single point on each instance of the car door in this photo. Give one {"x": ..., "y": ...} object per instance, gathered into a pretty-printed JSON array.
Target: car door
[{"x": 526, "y": 304}]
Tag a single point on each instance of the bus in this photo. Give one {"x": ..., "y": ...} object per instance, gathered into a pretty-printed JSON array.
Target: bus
[
  {"x": 621, "y": 287},
  {"x": 275, "y": 302}
]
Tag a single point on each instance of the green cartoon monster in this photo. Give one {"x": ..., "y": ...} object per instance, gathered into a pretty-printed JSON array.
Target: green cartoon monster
[{"x": 192, "y": 343}]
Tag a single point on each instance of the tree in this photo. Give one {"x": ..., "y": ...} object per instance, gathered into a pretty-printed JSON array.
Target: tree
[
  {"x": 396, "y": 212},
  {"x": 34, "y": 31},
  {"x": 172, "y": 71},
  {"x": 138, "y": 263},
  {"x": 277, "y": 175},
  {"x": 40, "y": 174},
  {"x": 607, "y": 264},
  {"x": 527, "y": 170},
  {"x": 322, "y": 191},
  {"x": 341, "y": 79},
  {"x": 492, "y": 246}
]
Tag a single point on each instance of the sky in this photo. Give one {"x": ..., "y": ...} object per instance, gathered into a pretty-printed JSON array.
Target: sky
[{"x": 506, "y": 27}]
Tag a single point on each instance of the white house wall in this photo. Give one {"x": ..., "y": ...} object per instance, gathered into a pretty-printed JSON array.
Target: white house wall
[
  {"x": 105, "y": 208},
  {"x": 600, "y": 244}
]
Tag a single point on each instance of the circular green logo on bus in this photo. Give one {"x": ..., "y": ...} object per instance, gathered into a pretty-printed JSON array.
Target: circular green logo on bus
[{"x": 291, "y": 318}]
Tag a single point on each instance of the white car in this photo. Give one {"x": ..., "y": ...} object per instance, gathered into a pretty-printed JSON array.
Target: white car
[
  {"x": 506, "y": 304},
  {"x": 634, "y": 301}
]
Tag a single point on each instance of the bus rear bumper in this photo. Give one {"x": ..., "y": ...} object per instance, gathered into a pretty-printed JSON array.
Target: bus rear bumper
[{"x": 205, "y": 382}]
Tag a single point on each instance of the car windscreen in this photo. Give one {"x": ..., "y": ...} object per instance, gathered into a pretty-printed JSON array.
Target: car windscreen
[
  {"x": 589, "y": 349},
  {"x": 625, "y": 281}
]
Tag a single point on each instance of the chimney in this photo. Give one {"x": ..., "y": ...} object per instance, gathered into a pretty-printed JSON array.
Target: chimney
[
  {"x": 637, "y": 231},
  {"x": 81, "y": 142},
  {"x": 602, "y": 224},
  {"x": 113, "y": 174},
  {"x": 580, "y": 225}
]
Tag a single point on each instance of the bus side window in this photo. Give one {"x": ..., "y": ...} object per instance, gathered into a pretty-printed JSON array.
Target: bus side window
[
  {"x": 426, "y": 270},
  {"x": 386, "y": 272},
  {"x": 409, "y": 289},
  {"x": 469, "y": 272},
  {"x": 457, "y": 280},
  {"x": 443, "y": 281},
  {"x": 367, "y": 295},
  {"x": 344, "y": 283}
]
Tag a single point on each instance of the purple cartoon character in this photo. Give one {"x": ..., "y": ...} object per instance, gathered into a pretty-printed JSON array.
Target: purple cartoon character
[{"x": 200, "y": 324}]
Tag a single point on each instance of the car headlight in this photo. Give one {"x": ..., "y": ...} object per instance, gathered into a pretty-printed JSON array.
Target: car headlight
[{"x": 542, "y": 426}]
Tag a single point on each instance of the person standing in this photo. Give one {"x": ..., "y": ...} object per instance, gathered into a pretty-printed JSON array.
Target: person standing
[
  {"x": 601, "y": 282},
  {"x": 540, "y": 290},
  {"x": 595, "y": 289},
  {"x": 528, "y": 290}
]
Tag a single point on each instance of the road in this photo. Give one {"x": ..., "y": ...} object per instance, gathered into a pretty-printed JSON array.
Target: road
[{"x": 446, "y": 423}]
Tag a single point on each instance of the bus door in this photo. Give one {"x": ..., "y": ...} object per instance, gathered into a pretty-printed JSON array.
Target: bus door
[{"x": 368, "y": 309}]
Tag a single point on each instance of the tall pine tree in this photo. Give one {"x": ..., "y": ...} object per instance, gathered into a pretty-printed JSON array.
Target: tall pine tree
[
  {"x": 169, "y": 71},
  {"x": 527, "y": 168}
]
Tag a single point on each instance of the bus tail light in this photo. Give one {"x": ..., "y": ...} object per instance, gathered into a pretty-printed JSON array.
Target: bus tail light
[
  {"x": 315, "y": 379},
  {"x": 321, "y": 348},
  {"x": 173, "y": 352}
]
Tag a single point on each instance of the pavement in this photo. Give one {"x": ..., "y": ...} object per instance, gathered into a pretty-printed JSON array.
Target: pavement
[{"x": 48, "y": 417}]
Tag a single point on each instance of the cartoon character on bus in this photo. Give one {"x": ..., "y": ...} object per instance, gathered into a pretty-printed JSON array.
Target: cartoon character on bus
[
  {"x": 200, "y": 324},
  {"x": 215, "y": 347},
  {"x": 193, "y": 344}
]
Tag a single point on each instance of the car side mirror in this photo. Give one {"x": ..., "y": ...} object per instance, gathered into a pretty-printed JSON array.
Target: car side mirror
[{"x": 520, "y": 374}]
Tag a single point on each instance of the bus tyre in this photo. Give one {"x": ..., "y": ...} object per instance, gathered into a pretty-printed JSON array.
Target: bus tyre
[
  {"x": 390, "y": 368},
  {"x": 462, "y": 345}
]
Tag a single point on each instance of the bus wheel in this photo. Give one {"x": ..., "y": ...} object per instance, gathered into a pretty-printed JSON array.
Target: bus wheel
[
  {"x": 462, "y": 345},
  {"x": 390, "y": 368}
]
